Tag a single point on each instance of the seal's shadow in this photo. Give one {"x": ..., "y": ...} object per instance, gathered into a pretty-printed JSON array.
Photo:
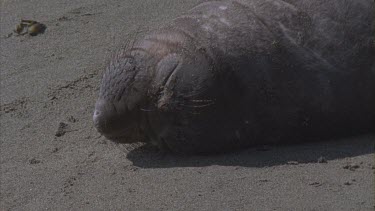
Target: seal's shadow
[{"x": 149, "y": 157}]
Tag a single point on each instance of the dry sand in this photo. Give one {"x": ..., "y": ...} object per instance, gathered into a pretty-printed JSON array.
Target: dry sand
[{"x": 51, "y": 81}]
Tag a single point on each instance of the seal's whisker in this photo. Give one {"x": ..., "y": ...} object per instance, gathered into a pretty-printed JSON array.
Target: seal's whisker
[
  {"x": 197, "y": 106},
  {"x": 147, "y": 110},
  {"x": 200, "y": 101},
  {"x": 195, "y": 93}
]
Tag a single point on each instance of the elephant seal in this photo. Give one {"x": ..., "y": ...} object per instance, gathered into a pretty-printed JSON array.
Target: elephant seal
[{"x": 233, "y": 74}]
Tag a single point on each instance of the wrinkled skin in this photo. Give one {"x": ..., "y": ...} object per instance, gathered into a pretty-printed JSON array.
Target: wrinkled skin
[{"x": 232, "y": 74}]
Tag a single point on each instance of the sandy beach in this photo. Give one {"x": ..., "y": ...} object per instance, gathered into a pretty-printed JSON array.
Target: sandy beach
[{"x": 52, "y": 158}]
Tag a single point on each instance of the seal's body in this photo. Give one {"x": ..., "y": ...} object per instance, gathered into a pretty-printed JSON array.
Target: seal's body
[{"x": 231, "y": 74}]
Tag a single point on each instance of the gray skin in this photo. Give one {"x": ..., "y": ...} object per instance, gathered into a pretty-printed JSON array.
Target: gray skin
[{"x": 233, "y": 74}]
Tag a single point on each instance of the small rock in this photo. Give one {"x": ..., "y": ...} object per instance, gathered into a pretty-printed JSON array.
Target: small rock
[
  {"x": 30, "y": 27},
  {"x": 36, "y": 29},
  {"x": 322, "y": 159},
  {"x": 347, "y": 183}
]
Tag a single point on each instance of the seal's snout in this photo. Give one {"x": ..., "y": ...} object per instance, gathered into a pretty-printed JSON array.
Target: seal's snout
[
  {"x": 113, "y": 122},
  {"x": 103, "y": 117},
  {"x": 107, "y": 119},
  {"x": 96, "y": 118}
]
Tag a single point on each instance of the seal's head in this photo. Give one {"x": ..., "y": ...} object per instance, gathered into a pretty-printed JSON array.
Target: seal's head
[
  {"x": 122, "y": 92},
  {"x": 146, "y": 85}
]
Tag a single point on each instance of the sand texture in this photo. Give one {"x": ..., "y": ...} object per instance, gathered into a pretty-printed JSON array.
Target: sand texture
[{"x": 52, "y": 158}]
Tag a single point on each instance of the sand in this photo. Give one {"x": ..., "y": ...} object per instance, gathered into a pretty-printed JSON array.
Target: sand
[{"x": 52, "y": 158}]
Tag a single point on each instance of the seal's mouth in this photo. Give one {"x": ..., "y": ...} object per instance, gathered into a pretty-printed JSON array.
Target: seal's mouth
[
  {"x": 127, "y": 136},
  {"x": 122, "y": 139},
  {"x": 117, "y": 131},
  {"x": 119, "y": 125}
]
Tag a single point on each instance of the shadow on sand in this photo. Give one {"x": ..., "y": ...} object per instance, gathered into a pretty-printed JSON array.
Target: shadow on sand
[{"x": 149, "y": 157}]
